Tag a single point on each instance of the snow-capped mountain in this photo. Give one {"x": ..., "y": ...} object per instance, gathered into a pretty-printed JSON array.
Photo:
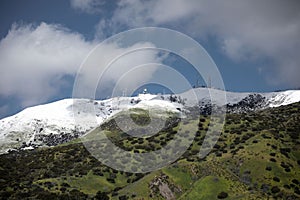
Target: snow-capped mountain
[
  {"x": 239, "y": 101},
  {"x": 64, "y": 120},
  {"x": 273, "y": 99}
]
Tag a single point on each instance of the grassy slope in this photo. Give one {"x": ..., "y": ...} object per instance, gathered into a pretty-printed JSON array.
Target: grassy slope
[{"x": 257, "y": 155}]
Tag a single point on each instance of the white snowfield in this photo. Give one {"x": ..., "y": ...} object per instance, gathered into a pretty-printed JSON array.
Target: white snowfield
[
  {"x": 274, "y": 99},
  {"x": 74, "y": 117}
]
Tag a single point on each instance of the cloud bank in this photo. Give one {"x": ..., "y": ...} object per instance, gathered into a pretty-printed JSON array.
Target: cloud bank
[
  {"x": 35, "y": 61},
  {"x": 89, "y": 6},
  {"x": 245, "y": 30}
]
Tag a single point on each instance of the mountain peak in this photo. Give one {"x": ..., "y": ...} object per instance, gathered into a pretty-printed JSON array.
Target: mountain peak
[{"x": 54, "y": 123}]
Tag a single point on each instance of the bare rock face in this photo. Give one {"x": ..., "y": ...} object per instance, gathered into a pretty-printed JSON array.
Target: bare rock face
[{"x": 160, "y": 186}]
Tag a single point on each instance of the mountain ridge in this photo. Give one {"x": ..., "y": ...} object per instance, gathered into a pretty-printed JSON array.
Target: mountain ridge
[{"x": 61, "y": 121}]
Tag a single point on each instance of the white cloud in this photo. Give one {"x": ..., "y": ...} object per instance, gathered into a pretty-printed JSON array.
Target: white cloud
[
  {"x": 117, "y": 63},
  {"x": 246, "y": 30},
  {"x": 141, "y": 13},
  {"x": 89, "y": 6},
  {"x": 123, "y": 68},
  {"x": 34, "y": 61}
]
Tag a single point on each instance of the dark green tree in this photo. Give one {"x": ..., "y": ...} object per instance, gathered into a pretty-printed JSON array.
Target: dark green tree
[{"x": 101, "y": 196}]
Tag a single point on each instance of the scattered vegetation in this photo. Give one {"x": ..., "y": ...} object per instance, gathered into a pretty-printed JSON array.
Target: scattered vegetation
[{"x": 257, "y": 155}]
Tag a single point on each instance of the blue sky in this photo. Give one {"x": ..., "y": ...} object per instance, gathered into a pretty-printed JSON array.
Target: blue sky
[{"x": 255, "y": 44}]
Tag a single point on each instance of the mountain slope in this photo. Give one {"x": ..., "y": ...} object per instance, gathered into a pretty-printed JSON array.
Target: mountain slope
[
  {"x": 64, "y": 120},
  {"x": 256, "y": 157},
  {"x": 54, "y": 123}
]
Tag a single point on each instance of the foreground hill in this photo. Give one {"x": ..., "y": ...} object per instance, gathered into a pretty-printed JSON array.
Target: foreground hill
[{"x": 256, "y": 157}]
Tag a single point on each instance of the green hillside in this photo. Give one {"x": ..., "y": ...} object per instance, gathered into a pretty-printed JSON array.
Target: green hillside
[{"x": 256, "y": 157}]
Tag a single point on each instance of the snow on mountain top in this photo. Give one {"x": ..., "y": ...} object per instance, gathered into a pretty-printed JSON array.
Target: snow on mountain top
[
  {"x": 158, "y": 104},
  {"x": 60, "y": 121},
  {"x": 40, "y": 124},
  {"x": 274, "y": 99},
  {"x": 146, "y": 96},
  {"x": 197, "y": 95},
  {"x": 284, "y": 98},
  {"x": 48, "y": 112}
]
